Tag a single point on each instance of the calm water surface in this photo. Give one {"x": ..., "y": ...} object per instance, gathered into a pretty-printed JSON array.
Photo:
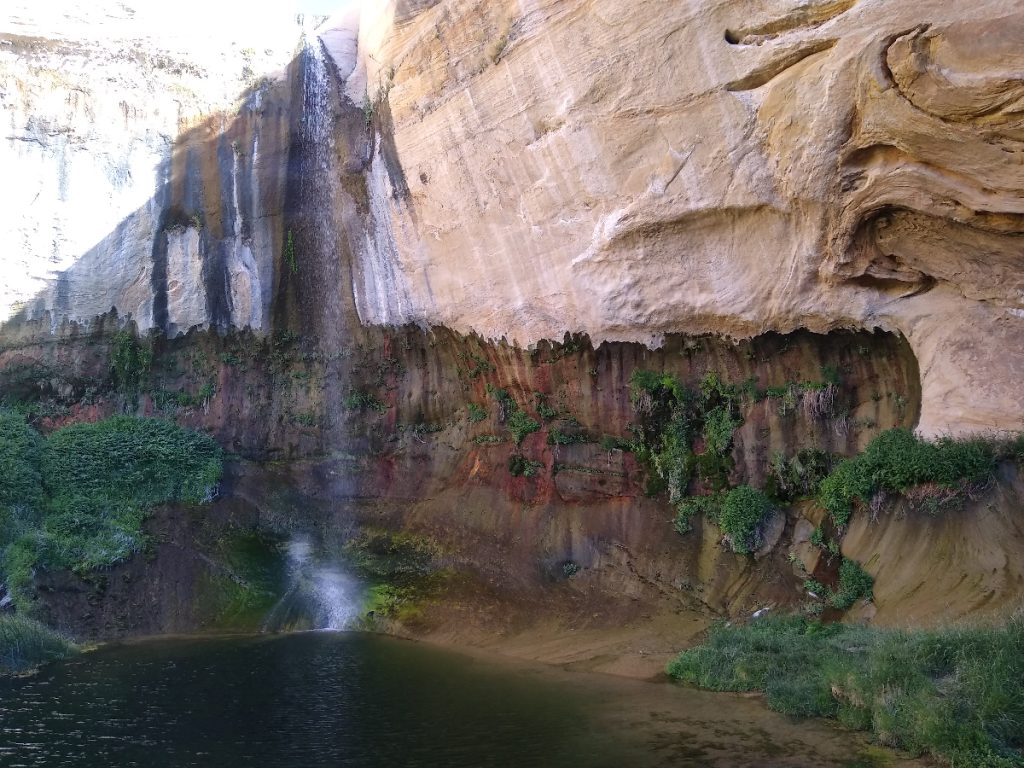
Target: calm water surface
[{"x": 348, "y": 699}]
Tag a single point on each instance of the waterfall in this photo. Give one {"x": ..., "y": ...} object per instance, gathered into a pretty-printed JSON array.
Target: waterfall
[{"x": 320, "y": 593}]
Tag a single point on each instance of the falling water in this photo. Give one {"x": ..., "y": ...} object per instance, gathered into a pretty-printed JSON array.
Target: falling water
[{"x": 320, "y": 594}]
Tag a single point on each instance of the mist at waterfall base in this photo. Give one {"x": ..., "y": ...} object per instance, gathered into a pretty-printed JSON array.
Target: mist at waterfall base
[{"x": 319, "y": 593}]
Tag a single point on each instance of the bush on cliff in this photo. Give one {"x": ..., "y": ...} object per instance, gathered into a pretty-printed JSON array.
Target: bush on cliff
[
  {"x": 77, "y": 499},
  {"x": 957, "y": 694},
  {"x": 743, "y": 511},
  {"x": 897, "y": 460}
]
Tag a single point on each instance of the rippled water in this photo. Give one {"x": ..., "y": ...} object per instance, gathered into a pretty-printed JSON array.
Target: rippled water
[{"x": 348, "y": 699}]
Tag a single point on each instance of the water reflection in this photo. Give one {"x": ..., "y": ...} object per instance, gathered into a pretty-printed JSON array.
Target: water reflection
[{"x": 349, "y": 699}]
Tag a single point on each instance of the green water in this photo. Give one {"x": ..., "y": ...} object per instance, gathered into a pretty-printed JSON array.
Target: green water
[{"x": 348, "y": 699}]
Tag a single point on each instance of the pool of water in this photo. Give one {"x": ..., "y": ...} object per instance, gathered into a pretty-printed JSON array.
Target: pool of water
[{"x": 348, "y": 699}]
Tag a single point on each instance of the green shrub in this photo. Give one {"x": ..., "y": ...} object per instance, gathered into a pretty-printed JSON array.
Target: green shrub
[
  {"x": 98, "y": 483},
  {"x": 692, "y": 506},
  {"x": 488, "y": 439},
  {"x": 358, "y": 400},
  {"x": 957, "y": 694},
  {"x": 130, "y": 362},
  {"x": 140, "y": 461},
  {"x": 896, "y": 460},
  {"x": 742, "y": 512},
  {"x": 798, "y": 476},
  {"x": 520, "y": 466},
  {"x": 854, "y": 583},
  {"x": 20, "y": 453},
  {"x": 557, "y": 437},
  {"x": 476, "y": 413},
  {"x": 673, "y": 416},
  {"x": 838, "y": 491},
  {"x": 25, "y": 643},
  {"x": 544, "y": 410},
  {"x": 520, "y": 425},
  {"x": 719, "y": 425},
  {"x": 613, "y": 443},
  {"x": 480, "y": 366}
]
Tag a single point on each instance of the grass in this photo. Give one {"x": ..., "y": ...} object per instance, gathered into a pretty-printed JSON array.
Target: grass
[
  {"x": 854, "y": 584},
  {"x": 77, "y": 499},
  {"x": 25, "y": 643},
  {"x": 956, "y": 694}
]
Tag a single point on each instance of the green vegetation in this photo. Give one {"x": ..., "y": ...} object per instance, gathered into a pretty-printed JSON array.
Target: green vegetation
[
  {"x": 742, "y": 512},
  {"x": 613, "y": 443},
  {"x": 367, "y": 110},
  {"x": 516, "y": 419},
  {"x": 520, "y": 466},
  {"x": 798, "y": 476},
  {"x": 402, "y": 570},
  {"x": 169, "y": 401},
  {"x": 674, "y": 418},
  {"x": 359, "y": 400},
  {"x": 544, "y": 410},
  {"x": 77, "y": 499},
  {"x": 692, "y": 506},
  {"x": 488, "y": 439},
  {"x": 25, "y": 643},
  {"x": 481, "y": 365},
  {"x": 520, "y": 425},
  {"x": 685, "y": 437},
  {"x": 557, "y": 436},
  {"x": 476, "y": 413},
  {"x": 854, "y": 583},
  {"x": 130, "y": 362},
  {"x": 896, "y": 461},
  {"x": 957, "y": 694},
  {"x": 289, "y": 253},
  {"x": 248, "y": 582}
]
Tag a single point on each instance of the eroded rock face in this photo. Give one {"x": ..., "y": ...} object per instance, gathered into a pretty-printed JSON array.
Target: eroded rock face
[
  {"x": 535, "y": 167},
  {"x": 631, "y": 169},
  {"x": 134, "y": 150}
]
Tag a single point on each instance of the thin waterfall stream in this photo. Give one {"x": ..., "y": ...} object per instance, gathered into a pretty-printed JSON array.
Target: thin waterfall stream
[{"x": 320, "y": 593}]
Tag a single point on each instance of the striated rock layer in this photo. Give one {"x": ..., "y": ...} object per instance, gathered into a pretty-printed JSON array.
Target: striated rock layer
[
  {"x": 632, "y": 169},
  {"x": 524, "y": 169}
]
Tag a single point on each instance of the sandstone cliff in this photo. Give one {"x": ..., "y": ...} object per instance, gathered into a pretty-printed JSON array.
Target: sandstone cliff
[
  {"x": 626, "y": 170},
  {"x": 333, "y": 244}
]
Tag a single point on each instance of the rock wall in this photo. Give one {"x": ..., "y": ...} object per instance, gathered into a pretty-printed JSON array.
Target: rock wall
[
  {"x": 149, "y": 163},
  {"x": 632, "y": 169},
  {"x": 534, "y": 168},
  {"x": 400, "y": 448}
]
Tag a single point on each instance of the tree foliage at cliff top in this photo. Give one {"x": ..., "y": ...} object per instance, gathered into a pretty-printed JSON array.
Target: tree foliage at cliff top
[{"x": 77, "y": 498}]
